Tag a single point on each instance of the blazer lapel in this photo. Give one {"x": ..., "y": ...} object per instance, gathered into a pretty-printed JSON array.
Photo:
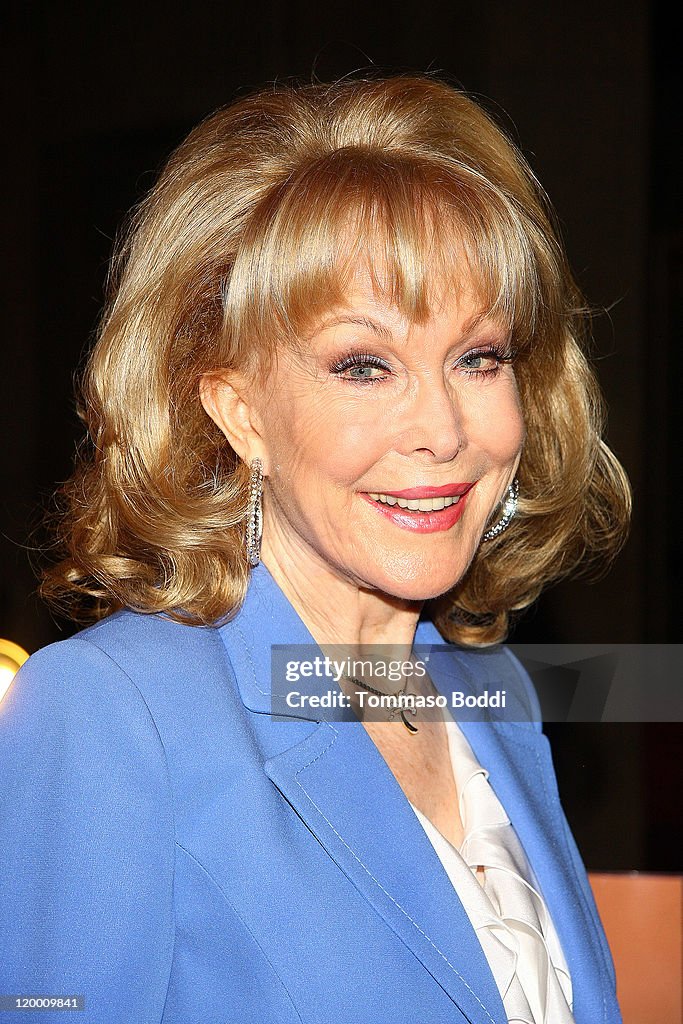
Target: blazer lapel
[{"x": 339, "y": 784}]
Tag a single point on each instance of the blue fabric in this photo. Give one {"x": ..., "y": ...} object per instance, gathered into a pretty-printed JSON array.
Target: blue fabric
[{"x": 173, "y": 853}]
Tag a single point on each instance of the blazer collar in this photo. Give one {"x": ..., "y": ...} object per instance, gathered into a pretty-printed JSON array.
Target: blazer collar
[
  {"x": 395, "y": 865},
  {"x": 267, "y": 619}
]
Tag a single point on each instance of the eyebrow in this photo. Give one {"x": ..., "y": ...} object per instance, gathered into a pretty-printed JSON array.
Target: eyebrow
[
  {"x": 383, "y": 332},
  {"x": 360, "y": 321}
]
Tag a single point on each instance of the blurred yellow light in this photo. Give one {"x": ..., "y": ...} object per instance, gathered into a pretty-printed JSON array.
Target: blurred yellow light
[{"x": 12, "y": 657}]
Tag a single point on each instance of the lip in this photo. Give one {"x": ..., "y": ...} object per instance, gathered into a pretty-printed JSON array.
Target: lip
[
  {"x": 447, "y": 491},
  {"x": 422, "y": 522}
]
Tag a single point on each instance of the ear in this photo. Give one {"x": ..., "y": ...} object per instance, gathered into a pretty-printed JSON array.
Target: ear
[{"x": 226, "y": 398}]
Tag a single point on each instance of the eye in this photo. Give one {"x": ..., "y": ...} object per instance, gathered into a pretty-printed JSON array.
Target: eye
[
  {"x": 485, "y": 362},
  {"x": 357, "y": 367}
]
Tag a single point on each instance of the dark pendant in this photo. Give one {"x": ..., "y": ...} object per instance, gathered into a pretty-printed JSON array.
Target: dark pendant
[{"x": 408, "y": 725}]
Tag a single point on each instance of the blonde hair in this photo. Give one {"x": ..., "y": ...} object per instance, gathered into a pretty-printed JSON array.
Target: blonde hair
[{"x": 249, "y": 235}]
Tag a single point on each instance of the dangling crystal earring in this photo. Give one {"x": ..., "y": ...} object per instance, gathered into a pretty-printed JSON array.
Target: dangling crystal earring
[
  {"x": 255, "y": 513},
  {"x": 509, "y": 509}
]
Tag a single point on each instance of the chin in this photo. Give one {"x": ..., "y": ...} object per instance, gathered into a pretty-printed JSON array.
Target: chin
[{"x": 423, "y": 585}]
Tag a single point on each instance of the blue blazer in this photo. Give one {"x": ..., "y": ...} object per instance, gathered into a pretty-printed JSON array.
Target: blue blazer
[{"x": 173, "y": 853}]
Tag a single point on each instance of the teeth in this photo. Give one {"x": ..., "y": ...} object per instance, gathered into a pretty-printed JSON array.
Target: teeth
[{"x": 417, "y": 504}]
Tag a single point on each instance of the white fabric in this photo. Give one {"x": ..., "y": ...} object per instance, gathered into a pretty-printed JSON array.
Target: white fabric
[{"x": 508, "y": 912}]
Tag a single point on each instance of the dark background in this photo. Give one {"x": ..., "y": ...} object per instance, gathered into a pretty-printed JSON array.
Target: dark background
[{"x": 97, "y": 96}]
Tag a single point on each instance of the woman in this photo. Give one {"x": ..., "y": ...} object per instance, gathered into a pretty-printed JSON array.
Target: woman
[{"x": 338, "y": 402}]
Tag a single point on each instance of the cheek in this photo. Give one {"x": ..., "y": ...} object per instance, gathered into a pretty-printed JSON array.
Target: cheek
[
  {"x": 496, "y": 422},
  {"x": 512, "y": 432},
  {"x": 320, "y": 439}
]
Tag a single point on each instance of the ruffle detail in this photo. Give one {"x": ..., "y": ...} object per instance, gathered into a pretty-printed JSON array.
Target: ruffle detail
[{"x": 506, "y": 910}]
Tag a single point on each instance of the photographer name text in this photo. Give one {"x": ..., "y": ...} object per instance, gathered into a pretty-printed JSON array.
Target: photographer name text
[{"x": 400, "y": 701}]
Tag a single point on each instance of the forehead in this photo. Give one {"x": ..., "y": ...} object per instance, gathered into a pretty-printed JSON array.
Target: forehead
[{"x": 368, "y": 304}]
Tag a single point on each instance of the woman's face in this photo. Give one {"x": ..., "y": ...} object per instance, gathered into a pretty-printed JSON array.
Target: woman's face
[{"x": 378, "y": 406}]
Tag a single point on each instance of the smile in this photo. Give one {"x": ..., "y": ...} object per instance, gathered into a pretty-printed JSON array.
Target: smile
[
  {"x": 421, "y": 515},
  {"x": 417, "y": 504}
]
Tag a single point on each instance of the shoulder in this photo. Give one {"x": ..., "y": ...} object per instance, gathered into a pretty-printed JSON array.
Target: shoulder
[
  {"x": 129, "y": 677},
  {"x": 487, "y": 669},
  {"x": 141, "y": 650},
  {"x": 72, "y": 695}
]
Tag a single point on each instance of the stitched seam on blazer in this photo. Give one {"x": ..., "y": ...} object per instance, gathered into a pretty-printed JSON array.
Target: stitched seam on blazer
[
  {"x": 170, "y": 973},
  {"x": 264, "y": 693},
  {"x": 244, "y": 924},
  {"x": 152, "y": 719},
  {"x": 378, "y": 883},
  {"x": 170, "y": 788},
  {"x": 587, "y": 912}
]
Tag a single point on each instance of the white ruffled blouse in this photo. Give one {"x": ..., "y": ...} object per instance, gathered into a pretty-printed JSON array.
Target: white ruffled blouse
[{"x": 506, "y": 909}]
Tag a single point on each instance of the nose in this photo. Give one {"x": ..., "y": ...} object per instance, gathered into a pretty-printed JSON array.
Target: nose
[{"x": 431, "y": 420}]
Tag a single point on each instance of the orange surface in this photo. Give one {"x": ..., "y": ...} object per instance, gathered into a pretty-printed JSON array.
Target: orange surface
[{"x": 643, "y": 920}]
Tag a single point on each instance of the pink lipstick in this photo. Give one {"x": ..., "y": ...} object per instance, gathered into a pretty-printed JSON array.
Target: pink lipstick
[
  {"x": 423, "y": 522},
  {"x": 447, "y": 491}
]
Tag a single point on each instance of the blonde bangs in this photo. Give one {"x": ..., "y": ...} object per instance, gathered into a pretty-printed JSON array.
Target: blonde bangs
[{"x": 422, "y": 229}]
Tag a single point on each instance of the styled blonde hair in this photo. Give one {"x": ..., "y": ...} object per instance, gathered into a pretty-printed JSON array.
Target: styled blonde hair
[{"x": 248, "y": 237}]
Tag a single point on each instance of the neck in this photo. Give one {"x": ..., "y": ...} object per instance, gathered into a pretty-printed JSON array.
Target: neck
[{"x": 338, "y": 610}]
